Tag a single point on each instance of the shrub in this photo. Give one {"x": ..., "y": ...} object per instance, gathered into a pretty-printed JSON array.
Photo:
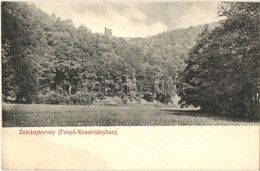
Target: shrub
[
  {"x": 164, "y": 97},
  {"x": 68, "y": 99},
  {"x": 149, "y": 97}
]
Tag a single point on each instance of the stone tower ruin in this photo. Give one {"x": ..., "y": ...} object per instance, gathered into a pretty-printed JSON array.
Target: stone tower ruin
[{"x": 108, "y": 32}]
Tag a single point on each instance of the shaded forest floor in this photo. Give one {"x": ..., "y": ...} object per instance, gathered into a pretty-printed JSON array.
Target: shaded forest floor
[{"x": 35, "y": 115}]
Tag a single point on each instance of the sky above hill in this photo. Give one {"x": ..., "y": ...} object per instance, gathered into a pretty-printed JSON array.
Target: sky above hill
[{"x": 132, "y": 18}]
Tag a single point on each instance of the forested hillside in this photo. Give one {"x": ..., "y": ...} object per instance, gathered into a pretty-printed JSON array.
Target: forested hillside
[
  {"x": 166, "y": 52},
  {"x": 46, "y": 60}
]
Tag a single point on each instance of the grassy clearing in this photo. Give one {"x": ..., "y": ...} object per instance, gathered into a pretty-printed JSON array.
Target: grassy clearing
[{"x": 21, "y": 115}]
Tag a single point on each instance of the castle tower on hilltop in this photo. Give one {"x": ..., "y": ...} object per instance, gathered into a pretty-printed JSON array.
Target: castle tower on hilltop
[{"x": 108, "y": 32}]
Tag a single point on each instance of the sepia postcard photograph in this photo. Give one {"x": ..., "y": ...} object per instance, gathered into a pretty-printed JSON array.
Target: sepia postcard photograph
[{"x": 76, "y": 72}]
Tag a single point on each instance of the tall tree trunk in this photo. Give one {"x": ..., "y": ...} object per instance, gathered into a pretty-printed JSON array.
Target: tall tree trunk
[{"x": 69, "y": 89}]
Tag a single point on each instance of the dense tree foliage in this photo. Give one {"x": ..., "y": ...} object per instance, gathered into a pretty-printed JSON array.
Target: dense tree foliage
[
  {"x": 19, "y": 38},
  {"x": 223, "y": 68},
  {"x": 44, "y": 56}
]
